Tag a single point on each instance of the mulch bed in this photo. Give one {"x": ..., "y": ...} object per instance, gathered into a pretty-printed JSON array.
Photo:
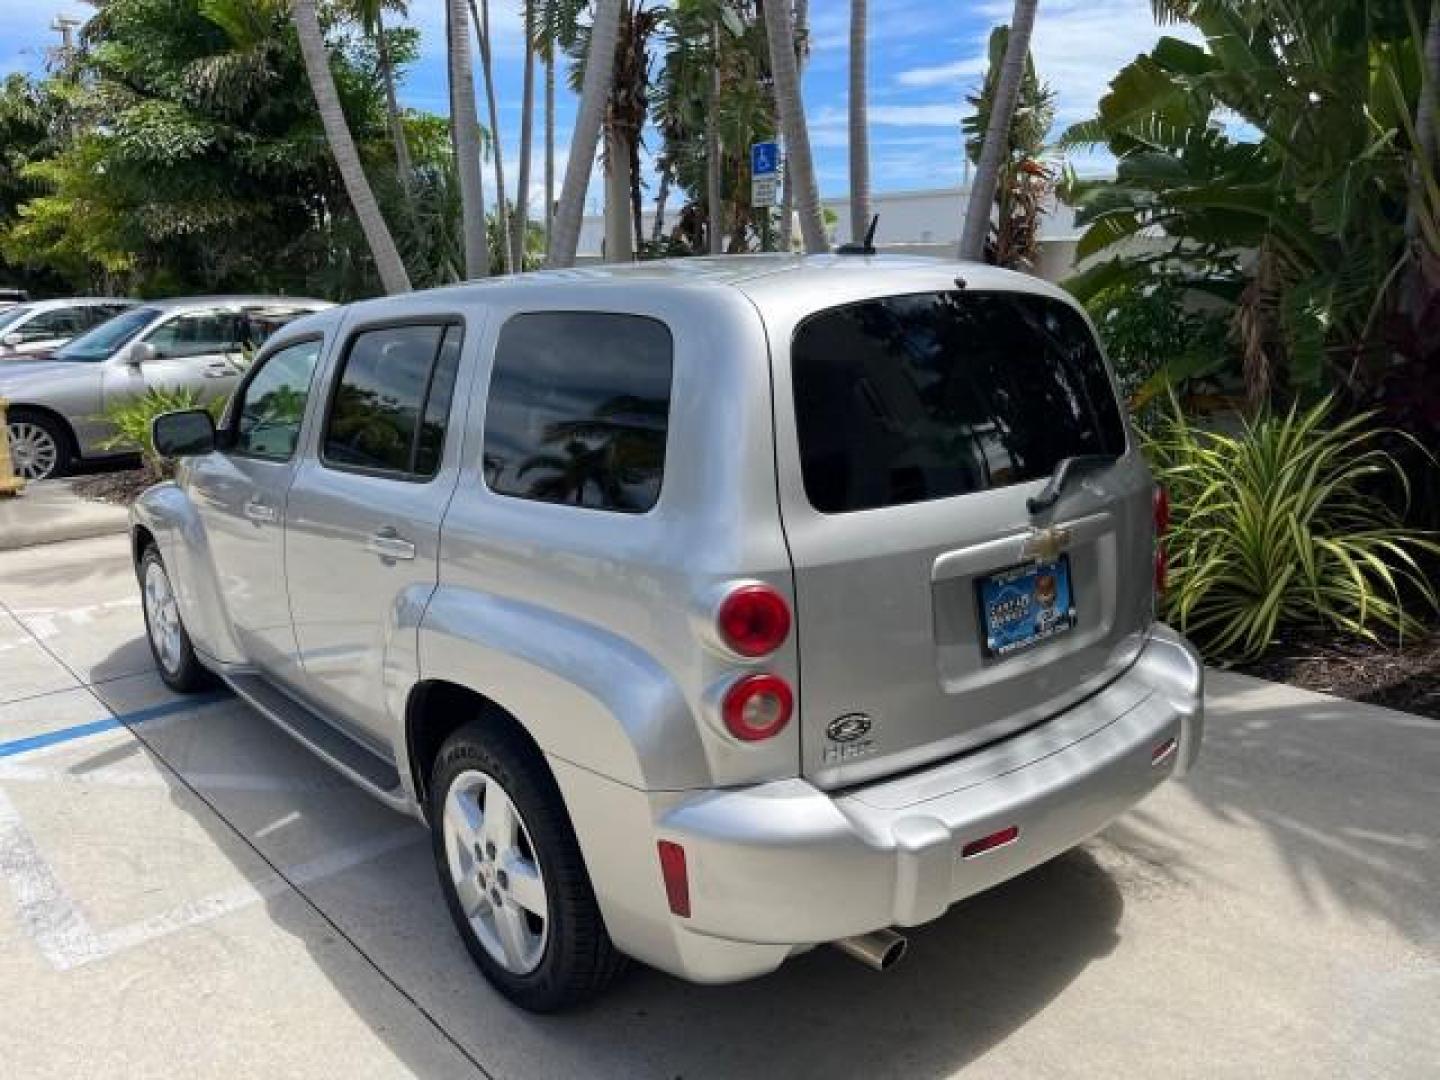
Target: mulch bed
[
  {"x": 1404, "y": 677},
  {"x": 120, "y": 487}
]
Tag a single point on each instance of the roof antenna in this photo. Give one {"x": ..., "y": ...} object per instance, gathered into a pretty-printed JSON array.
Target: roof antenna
[{"x": 867, "y": 247}]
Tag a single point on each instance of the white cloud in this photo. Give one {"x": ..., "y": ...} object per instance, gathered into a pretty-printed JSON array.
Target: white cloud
[
  {"x": 921, "y": 115},
  {"x": 944, "y": 74}
]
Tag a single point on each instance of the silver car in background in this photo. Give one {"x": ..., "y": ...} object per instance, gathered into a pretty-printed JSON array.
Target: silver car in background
[
  {"x": 57, "y": 405},
  {"x": 39, "y": 327}
]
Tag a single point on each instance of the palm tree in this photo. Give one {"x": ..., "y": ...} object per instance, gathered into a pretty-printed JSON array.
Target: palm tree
[
  {"x": 859, "y": 125},
  {"x": 715, "y": 221},
  {"x": 787, "y": 198},
  {"x": 594, "y": 95},
  {"x": 997, "y": 135},
  {"x": 347, "y": 159},
  {"x": 371, "y": 14},
  {"x": 791, "y": 107},
  {"x": 482, "y": 34},
  {"x": 527, "y": 129},
  {"x": 465, "y": 135}
]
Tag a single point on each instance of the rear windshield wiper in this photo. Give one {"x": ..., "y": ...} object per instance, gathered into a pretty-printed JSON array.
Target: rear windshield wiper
[{"x": 1068, "y": 467}]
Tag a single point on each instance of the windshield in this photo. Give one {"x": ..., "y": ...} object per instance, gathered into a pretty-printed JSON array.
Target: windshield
[
  {"x": 101, "y": 343},
  {"x": 14, "y": 315}
]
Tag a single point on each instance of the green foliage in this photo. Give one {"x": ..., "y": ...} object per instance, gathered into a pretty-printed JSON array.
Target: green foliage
[
  {"x": 1156, "y": 339},
  {"x": 132, "y": 418},
  {"x": 1278, "y": 525},
  {"x": 1287, "y": 134}
]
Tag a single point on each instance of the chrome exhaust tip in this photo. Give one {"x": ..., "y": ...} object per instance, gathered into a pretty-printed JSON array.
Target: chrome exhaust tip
[{"x": 879, "y": 950}]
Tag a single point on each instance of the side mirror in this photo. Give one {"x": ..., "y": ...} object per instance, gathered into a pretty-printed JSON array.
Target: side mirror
[
  {"x": 142, "y": 352},
  {"x": 10, "y": 341},
  {"x": 183, "y": 434}
]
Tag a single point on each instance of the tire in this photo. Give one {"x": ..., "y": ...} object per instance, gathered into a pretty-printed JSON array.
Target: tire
[
  {"x": 174, "y": 656},
  {"x": 40, "y": 446},
  {"x": 489, "y": 869}
]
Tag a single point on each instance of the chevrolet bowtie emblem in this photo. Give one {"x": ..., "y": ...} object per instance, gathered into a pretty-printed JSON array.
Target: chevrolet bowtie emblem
[{"x": 1044, "y": 545}]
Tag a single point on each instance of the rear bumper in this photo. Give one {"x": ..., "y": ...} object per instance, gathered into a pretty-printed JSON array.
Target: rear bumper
[{"x": 780, "y": 866}]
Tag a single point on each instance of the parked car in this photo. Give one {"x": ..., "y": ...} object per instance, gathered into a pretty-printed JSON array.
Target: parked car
[
  {"x": 57, "y": 405},
  {"x": 42, "y": 326},
  {"x": 10, "y": 297},
  {"x": 707, "y": 611}
]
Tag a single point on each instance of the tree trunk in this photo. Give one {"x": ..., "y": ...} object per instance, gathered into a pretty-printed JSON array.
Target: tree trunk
[
  {"x": 1425, "y": 120},
  {"x": 715, "y": 218},
  {"x": 787, "y": 197},
  {"x": 619, "y": 229},
  {"x": 997, "y": 135},
  {"x": 482, "y": 33},
  {"x": 388, "y": 264},
  {"x": 637, "y": 210},
  {"x": 657, "y": 232},
  {"x": 859, "y": 124},
  {"x": 403, "y": 165},
  {"x": 594, "y": 94},
  {"x": 465, "y": 135},
  {"x": 521, "y": 220},
  {"x": 788, "y": 102},
  {"x": 549, "y": 145}
]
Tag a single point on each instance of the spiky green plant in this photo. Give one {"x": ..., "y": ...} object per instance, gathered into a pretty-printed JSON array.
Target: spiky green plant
[
  {"x": 1280, "y": 525},
  {"x": 131, "y": 421}
]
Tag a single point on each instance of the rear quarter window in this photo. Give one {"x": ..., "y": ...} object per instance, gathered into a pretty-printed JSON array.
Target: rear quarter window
[
  {"x": 905, "y": 399},
  {"x": 579, "y": 409}
]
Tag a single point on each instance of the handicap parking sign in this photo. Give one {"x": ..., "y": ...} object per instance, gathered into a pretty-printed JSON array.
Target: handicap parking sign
[{"x": 764, "y": 159}]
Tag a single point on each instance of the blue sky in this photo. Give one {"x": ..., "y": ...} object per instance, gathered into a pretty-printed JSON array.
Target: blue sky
[{"x": 924, "y": 56}]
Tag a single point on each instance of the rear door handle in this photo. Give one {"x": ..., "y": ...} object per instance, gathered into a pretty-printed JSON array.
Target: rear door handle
[
  {"x": 261, "y": 512},
  {"x": 219, "y": 370},
  {"x": 389, "y": 544}
]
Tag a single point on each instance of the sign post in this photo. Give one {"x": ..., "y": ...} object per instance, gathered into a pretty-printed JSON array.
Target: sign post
[{"x": 765, "y": 179}]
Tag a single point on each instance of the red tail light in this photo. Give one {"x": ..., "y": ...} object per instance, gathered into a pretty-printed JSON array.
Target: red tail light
[
  {"x": 757, "y": 707},
  {"x": 754, "y": 620},
  {"x": 1161, "y": 507},
  {"x": 676, "y": 875}
]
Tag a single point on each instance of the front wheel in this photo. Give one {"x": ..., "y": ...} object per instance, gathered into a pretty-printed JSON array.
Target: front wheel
[
  {"x": 170, "y": 645},
  {"x": 39, "y": 447},
  {"x": 512, "y": 875}
]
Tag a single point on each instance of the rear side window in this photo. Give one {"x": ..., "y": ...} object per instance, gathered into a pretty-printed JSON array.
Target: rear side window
[
  {"x": 579, "y": 408},
  {"x": 390, "y": 405},
  {"x": 909, "y": 398}
]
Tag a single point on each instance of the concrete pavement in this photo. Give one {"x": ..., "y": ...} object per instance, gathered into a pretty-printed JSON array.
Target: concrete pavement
[
  {"x": 50, "y": 512},
  {"x": 186, "y": 890}
]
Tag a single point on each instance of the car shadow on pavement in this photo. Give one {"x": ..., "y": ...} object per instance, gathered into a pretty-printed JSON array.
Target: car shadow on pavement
[{"x": 971, "y": 979}]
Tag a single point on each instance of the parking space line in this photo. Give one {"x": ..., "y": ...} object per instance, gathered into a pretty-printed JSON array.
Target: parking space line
[{"x": 114, "y": 721}]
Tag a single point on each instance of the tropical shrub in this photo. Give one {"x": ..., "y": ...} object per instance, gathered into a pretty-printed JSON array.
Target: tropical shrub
[
  {"x": 131, "y": 420},
  {"x": 1155, "y": 339},
  {"x": 1279, "y": 525}
]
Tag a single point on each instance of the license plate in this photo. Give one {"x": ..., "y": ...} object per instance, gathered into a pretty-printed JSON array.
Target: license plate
[{"x": 1025, "y": 605}]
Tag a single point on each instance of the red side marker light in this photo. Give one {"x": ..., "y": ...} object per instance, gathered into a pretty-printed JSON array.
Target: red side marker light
[
  {"x": 1163, "y": 752},
  {"x": 990, "y": 843},
  {"x": 676, "y": 875}
]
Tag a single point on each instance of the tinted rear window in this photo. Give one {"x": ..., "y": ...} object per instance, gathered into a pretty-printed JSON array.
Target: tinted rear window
[
  {"x": 910, "y": 398},
  {"x": 578, "y": 409}
]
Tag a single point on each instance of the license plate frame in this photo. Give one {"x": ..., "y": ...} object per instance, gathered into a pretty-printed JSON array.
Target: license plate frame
[{"x": 1037, "y": 612}]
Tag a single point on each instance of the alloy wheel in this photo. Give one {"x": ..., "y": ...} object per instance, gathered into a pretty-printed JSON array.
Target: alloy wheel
[
  {"x": 33, "y": 450},
  {"x": 162, "y": 616},
  {"x": 497, "y": 877}
]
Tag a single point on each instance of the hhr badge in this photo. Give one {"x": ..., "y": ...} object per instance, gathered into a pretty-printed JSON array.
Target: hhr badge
[{"x": 848, "y": 735}]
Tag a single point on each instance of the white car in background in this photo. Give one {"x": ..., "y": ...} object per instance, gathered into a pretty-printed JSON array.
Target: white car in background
[{"x": 39, "y": 327}]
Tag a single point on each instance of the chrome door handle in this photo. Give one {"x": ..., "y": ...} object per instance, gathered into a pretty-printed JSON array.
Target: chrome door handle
[
  {"x": 261, "y": 512},
  {"x": 389, "y": 544},
  {"x": 219, "y": 370}
]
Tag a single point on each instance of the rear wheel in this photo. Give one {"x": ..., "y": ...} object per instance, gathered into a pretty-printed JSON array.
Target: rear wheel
[
  {"x": 39, "y": 445},
  {"x": 512, "y": 875},
  {"x": 170, "y": 644}
]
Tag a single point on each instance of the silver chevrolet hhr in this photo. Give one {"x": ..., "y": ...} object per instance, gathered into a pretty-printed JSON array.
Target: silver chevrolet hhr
[{"x": 708, "y": 611}]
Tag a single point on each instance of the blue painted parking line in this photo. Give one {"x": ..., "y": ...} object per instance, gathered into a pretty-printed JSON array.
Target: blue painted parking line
[{"x": 95, "y": 727}]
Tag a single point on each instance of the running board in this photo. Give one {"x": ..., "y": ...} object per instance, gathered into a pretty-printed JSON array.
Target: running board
[{"x": 357, "y": 761}]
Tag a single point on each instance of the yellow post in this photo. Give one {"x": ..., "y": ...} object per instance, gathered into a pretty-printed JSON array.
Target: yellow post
[{"x": 10, "y": 484}]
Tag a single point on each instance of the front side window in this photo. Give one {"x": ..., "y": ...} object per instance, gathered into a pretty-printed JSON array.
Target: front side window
[
  {"x": 48, "y": 325},
  {"x": 197, "y": 333},
  {"x": 904, "y": 399},
  {"x": 392, "y": 400},
  {"x": 579, "y": 408},
  {"x": 272, "y": 405}
]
